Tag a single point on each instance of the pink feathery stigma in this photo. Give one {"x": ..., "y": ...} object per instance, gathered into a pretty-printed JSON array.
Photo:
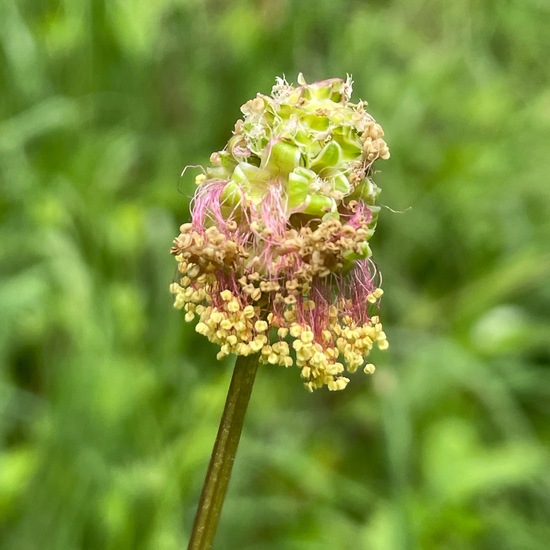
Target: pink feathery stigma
[
  {"x": 358, "y": 285},
  {"x": 206, "y": 204},
  {"x": 317, "y": 318},
  {"x": 272, "y": 211},
  {"x": 360, "y": 215}
]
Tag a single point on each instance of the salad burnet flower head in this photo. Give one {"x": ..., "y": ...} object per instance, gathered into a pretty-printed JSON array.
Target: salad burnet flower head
[{"x": 276, "y": 258}]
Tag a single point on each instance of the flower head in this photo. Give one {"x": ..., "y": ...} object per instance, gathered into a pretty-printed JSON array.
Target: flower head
[{"x": 276, "y": 258}]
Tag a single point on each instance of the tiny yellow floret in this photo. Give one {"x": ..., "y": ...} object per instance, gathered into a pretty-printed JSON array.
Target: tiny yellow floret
[
  {"x": 226, "y": 295},
  {"x": 260, "y": 326},
  {"x": 233, "y": 306},
  {"x": 369, "y": 368}
]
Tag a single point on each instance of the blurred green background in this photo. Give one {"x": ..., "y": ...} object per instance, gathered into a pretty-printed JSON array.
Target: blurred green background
[{"x": 109, "y": 402}]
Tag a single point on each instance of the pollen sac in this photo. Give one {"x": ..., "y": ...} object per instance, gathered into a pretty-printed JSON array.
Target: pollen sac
[{"x": 276, "y": 260}]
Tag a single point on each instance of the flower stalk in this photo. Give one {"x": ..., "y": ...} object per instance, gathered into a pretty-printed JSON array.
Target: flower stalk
[{"x": 223, "y": 454}]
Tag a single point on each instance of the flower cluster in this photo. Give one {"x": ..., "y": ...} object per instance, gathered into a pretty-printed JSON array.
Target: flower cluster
[{"x": 276, "y": 258}]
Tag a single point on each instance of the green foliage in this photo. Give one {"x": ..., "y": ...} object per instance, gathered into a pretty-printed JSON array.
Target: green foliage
[{"x": 109, "y": 402}]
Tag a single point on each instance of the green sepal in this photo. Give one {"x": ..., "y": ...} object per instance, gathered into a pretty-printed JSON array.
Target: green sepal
[
  {"x": 245, "y": 173},
  {"x": 285, "y": 111},
  {"x": 227, "y": 160},
  {"x": 320, "y": 92},
  {"x": 362, "y": 253},
  {"x": 336, "y": 97},
  {"x": 318, "y": 123},
  {"x": 252, "y": 179},
  {"x": 218, "y": 172},
  {"x": 330, "y": 156},
  {"x": 348, "y": 140},
  {"x": 299, "y": 186},
  {"x": 282, "y": 157},
  {"x": 308, "y": 146},
  {"x": 231, "y": 195},
  {"x": 341, "y": 183},
  {"x": 374, "y": 210},
  {"x": 319, "y": 205},
  {"x": 366, "y": 192}
]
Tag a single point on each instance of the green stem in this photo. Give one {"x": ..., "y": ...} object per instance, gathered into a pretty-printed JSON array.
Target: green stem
[{"x": 223, "y": 454}]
